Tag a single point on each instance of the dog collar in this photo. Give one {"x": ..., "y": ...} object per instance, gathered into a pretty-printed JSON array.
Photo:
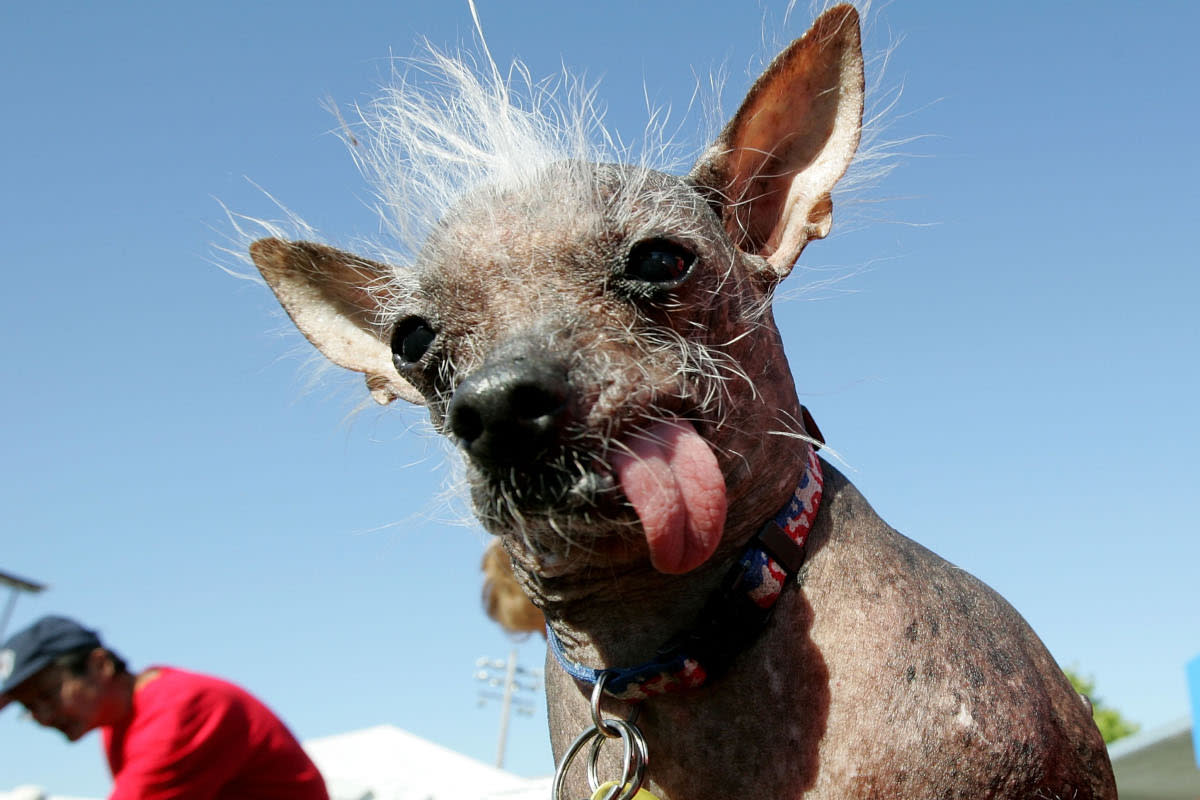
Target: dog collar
[{"x": 734, "y": 614}]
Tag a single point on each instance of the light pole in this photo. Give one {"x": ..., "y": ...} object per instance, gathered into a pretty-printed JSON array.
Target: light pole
[
  {"x": 517, "y": 686},
  {"x": 17, "y": 585}
]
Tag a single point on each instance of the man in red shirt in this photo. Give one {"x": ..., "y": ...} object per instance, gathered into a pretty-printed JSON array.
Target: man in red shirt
[{"x": 167, "y": 733}]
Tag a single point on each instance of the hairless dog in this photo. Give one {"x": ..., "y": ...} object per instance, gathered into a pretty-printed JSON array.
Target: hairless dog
[{"x": 598, "y": 341}]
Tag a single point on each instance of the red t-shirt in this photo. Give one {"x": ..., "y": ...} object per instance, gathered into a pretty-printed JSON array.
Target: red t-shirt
[{"x": 192, "y": 737}]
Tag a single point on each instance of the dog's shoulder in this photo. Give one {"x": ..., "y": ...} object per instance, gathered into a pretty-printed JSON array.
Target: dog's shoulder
[{"x": 947, "y": 664}]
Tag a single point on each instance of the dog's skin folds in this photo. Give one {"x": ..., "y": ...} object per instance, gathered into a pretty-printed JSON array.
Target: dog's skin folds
[{"x": 599, "y": 343}]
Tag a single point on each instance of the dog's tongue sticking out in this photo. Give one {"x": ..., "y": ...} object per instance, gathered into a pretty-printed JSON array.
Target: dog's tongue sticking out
[{"x": 671, "y": 477}]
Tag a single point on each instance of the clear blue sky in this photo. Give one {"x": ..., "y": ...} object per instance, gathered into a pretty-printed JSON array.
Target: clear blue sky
[{"x": 1009, "y": 368}]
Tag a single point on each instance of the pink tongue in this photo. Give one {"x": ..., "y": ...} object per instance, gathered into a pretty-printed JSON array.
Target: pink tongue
[{"x": 673, "y": 481}]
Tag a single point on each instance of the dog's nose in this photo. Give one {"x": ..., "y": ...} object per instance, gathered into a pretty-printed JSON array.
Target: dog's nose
[{"x": 510, "y": 414}]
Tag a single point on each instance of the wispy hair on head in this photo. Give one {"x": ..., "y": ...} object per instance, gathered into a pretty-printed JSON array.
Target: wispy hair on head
[
  {"x": 445, "y": 127},
  {"x": 447, "y": 123}
]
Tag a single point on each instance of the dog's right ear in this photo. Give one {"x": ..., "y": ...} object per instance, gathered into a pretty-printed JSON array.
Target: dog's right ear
[
  {"x": 772, "y": 169},
  {"x": 335, "y": 299}
]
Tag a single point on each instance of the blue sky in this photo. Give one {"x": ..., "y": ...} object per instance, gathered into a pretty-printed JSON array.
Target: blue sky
[{"x": 1008, "y": 368}]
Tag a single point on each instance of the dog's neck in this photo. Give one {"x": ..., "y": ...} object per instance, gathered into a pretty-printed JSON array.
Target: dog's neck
[
  {"x": 734, "y": 615},
  {"x": 621, "y": 618}
]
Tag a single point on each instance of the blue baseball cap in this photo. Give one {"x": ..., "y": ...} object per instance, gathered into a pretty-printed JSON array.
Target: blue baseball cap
[{"x": 31, "y": 650}]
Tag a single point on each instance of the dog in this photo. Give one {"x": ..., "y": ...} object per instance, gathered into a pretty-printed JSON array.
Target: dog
[{"x": 598, "y": 341}]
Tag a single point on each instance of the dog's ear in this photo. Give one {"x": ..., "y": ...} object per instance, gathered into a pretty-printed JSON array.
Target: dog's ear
[
  {"x": 335, "y": 299},
  {"x": 503, "y": 598},
  {"x": 772, "y": 169}
]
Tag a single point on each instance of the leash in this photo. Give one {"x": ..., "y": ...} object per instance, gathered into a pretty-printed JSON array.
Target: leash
[{"x": 732, "y": 618}]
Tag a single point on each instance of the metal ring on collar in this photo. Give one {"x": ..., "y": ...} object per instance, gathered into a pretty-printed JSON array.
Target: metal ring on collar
[
  {"x": 601, "y": 724},
  {"x": 635, "y": 758}
]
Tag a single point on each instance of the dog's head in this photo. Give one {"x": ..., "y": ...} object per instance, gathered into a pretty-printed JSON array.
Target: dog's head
[{"x": 597, "y": 338}]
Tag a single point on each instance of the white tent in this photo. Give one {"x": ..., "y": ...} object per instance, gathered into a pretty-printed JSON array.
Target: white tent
[
  {"x": 33, "y": 793},
  {"x": 387, "y": 763}
]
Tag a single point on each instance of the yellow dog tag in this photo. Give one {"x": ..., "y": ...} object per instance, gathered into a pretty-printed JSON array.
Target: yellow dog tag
[{"x": 641, "y": 794}]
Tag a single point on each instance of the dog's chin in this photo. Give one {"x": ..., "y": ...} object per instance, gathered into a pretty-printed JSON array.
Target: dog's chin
[
  {"x": 558, "y": 547},
  {"x": 612, "y": 558},
  {"x": 564, "y": 523}
]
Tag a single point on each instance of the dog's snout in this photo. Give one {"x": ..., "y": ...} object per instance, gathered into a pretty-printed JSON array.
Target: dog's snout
[{"x": 510, "y": 414}]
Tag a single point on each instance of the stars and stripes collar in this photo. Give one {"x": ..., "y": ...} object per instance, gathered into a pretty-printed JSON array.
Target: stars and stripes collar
[{"x": 735, "y": 613}]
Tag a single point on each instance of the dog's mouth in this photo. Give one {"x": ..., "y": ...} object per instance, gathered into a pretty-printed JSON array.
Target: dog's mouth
[
  {"x": 671, "y": 477},
  {"x": 661, "y": 484}
]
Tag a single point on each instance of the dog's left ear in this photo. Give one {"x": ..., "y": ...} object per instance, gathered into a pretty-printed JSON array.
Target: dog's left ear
[
  {"x": 336, "y": 300},
  {"x": 772, "y": 169}
]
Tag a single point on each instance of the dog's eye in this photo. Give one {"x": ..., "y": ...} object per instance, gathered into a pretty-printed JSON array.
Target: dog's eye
[
  {"x": 659, "y": 261},
  {"x": 410, "y": 341}
]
